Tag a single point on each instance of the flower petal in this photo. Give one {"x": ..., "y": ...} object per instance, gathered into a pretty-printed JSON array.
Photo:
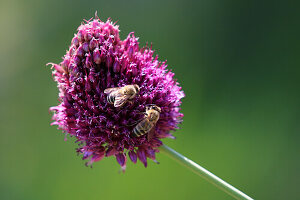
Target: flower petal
[
  {"x": 132, "y": 156},
  {"x": 142, "y": 156},
  {"x": 121, "y": 158}
]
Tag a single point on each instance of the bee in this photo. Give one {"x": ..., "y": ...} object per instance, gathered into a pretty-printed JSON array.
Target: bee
[
  {"x": 120, "y": 95},
  {"x": 151, "y": 117}
]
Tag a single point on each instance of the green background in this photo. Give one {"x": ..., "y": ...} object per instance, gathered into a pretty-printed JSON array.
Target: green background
[{"x": 237, "y": 61}]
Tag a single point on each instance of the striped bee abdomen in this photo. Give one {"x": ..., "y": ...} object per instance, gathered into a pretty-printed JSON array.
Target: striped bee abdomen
[
  {"x": 111, "y": 99},
  {"x": 142, "y": 128},
  {"x": 138, "y": 130}
]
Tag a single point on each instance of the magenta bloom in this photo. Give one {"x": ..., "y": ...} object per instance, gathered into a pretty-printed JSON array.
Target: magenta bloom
[{"x": 98, "y": 59}]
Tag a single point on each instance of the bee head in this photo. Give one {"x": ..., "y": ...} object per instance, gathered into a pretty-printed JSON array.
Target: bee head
[
  {"x": 136, "y": 87},
  {"x": 153, "y": 107}
]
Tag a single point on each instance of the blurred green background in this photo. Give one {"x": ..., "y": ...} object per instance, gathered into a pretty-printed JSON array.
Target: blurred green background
[{"x": 237, "y": 61}]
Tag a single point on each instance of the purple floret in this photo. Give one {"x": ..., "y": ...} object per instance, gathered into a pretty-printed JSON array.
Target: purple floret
[{"x": 98, "y": 59}]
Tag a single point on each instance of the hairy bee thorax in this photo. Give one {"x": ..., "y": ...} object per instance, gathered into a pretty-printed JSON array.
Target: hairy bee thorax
[{"x": 131, "y": 90}]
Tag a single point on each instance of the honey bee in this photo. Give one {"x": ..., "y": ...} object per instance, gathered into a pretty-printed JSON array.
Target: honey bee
[
  {"x": 151, "y": 117},
  {"x": 120, "y": 95}
]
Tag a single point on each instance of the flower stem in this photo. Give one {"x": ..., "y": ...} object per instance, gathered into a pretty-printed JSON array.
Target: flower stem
[{"x": 229, "y": 189}]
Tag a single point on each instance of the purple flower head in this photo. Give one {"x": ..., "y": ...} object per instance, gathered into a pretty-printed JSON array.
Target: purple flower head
[{"x": 96, "y": 60}]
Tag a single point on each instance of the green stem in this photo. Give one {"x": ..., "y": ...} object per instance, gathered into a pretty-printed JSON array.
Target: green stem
[{"x": 229, "y": 189}]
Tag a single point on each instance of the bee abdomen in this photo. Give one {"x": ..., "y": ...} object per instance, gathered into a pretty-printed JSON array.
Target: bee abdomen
[
  {"x": 138, "y": 131},
  {"x": 111, "y": 99}
]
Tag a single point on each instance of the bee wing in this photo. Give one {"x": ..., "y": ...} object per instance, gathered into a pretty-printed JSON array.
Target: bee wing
[
  {"x": 110, "y": 90},
  {"x": 151, "y": 134},
  {"x": 120, "y": 100},
  {"x": 136, "y": 122}
]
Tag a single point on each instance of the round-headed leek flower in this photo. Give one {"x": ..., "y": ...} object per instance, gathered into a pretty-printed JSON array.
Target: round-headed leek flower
[{"x": 98, "y": 59}]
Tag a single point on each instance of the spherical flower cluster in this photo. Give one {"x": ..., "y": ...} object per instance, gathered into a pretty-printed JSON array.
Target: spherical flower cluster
[{"x": 98, "y": 59}]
